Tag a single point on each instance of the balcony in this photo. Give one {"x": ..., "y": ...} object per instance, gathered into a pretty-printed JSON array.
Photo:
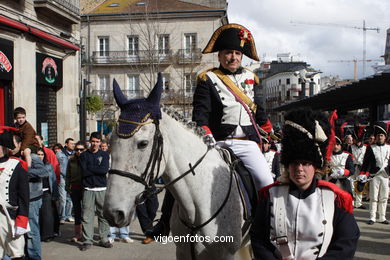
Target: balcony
[
  {"x": 145, "y": 57},
  {"x": 189, "y": 56},
  {"x": 108, "y": 97},
  {"x": 66, "y": 10}
]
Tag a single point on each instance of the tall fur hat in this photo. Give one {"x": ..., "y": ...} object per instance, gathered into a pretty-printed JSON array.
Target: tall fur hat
[
  {"x": 305, "y": 137},
  {"x": 232, "y": 37}
]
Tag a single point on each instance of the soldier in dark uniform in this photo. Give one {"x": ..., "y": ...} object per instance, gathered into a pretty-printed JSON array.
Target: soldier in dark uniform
[{"x": 14, "y": 199}]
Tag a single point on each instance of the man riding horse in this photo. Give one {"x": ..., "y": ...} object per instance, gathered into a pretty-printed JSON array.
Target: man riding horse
[{"x": 224, "y": 106}]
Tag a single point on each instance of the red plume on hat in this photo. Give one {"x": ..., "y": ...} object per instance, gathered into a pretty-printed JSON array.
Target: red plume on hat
[{"x": 332, "y": 137}]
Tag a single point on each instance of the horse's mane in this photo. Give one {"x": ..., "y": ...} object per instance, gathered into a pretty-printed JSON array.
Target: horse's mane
[{"x": 191, "y": 125}]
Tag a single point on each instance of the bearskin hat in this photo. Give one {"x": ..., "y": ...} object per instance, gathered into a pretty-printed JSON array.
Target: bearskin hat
[
  {"x": 305, "y": 137},
  {"x": 6, "y": 136},
  {"x": 232, "y": 37}
]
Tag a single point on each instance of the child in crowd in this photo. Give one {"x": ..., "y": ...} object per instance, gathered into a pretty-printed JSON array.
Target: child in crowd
[{"x": 27, "y": 134}]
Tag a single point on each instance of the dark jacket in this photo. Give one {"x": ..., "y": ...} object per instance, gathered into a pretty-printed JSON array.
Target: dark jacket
[
  {"x": 74, "y": 174},
  {"x": 208, "y": 110},
  {"x": 94, "y": 167}
]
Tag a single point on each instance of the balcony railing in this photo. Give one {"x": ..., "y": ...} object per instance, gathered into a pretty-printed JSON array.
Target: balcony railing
[
  {"x": 143, "y": 57},
  {"x": 68, "y": 10},
  {"x": 188, "y": 56},
  {"x": 108, "y": 97}
]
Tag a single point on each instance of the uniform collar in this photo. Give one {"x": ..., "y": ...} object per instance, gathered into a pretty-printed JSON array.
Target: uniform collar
[
  {"x": 339, "y": 152},
  {"x": 380, "y": 144},
  {"x": 4, "y": 159},
  {"x": 228, "y": 72},
  {"x": 303, "y": 194}
]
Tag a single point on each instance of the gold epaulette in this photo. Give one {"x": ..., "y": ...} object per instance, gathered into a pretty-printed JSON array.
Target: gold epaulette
[{"x": 202, "y": 76}]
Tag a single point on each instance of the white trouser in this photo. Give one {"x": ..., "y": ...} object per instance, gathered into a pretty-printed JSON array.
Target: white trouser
[
  {"x": 250, "y": 154},
  {"x": 379, "y": 193},
  {"x": 13, "y": 247}
]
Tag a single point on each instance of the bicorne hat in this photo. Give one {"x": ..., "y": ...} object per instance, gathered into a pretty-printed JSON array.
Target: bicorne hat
[
  {"x": 232, "y": 37},
  {"x": 305, "y": 138},
  {"x": 381, "y": 128},
  {"x": 6, "y": 136}
]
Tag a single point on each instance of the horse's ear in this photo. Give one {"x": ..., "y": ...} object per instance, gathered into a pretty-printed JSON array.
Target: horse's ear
[
  {"x": 155, "y": 95},
  {"x": 118, "y": 94}
]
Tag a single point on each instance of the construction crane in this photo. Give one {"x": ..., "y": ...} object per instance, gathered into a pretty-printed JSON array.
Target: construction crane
[
  {"x": 364, "y": 28},
  {"x": 355, "y": 61}
]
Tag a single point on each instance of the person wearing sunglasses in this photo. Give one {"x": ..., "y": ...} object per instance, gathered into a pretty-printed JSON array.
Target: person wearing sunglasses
[{"x": 74, "y": 187}]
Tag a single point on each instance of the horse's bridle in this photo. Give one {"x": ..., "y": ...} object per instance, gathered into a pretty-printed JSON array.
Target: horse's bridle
[{"x": 155, "y": 159}]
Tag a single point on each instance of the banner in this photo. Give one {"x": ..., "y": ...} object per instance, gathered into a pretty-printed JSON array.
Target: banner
[
  {"x": 6, "y": 59},
  {"x": 49, "y": 70}
]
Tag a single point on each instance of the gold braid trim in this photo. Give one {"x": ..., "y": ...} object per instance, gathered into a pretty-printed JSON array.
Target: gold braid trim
[{"x": 143, "y": 122}]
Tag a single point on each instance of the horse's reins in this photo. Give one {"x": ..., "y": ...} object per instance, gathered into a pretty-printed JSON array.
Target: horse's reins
[{"x": 155, "y": 159}]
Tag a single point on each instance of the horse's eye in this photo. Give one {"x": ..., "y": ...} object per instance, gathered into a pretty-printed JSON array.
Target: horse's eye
[{"x": 143, "y": 144}]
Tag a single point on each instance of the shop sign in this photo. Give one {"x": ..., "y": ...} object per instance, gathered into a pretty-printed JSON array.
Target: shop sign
[
  {"x": 6, "y": 59},
  {"x": 49, "y": 70}
]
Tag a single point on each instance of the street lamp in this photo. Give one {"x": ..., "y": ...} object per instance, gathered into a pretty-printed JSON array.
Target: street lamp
[{"x": 83, "y": 109}]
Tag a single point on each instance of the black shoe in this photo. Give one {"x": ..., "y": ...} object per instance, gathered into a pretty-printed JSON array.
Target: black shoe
[
  {"x": 160, "y": 229},
  {"x": 362, "y": 207},
  {"x": 370, "y": 222},
  {"x": 106, "y": 244},
  {"x": 386, "y": 222},
  {"x": 85, "y": 247}
]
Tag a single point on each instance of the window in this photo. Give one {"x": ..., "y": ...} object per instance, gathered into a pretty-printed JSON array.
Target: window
[
  {"x": 165, "y": 81},
  {"x": 104, "y": 83},
  {"x": 163, "y": 44},
  {"x": 190, "y": 82},
  {"x": 190, "y": 42},
  {"x": 104, "y": 46},
  {"x": 133, "y": 88},
  {"x": 288, "y": 81},
  {"x": 133, "y": 45}
]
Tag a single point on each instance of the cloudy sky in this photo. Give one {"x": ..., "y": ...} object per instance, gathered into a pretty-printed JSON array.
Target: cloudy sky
[{"x": 270, "y": 24}]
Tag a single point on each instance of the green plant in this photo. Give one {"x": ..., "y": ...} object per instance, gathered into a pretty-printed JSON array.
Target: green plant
[{"x": 94, "y": 104}]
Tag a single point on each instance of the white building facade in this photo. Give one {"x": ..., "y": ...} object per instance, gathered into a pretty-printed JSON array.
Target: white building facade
[
  {"x": 133, "y": 42},
  {"x": 39, "y": 53}
]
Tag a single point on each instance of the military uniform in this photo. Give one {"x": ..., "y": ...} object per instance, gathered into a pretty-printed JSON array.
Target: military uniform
[{"x": 14, "y": 201}]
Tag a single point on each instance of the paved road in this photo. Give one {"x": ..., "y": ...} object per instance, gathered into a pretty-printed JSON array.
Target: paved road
[{"x": 374, "y": 243}]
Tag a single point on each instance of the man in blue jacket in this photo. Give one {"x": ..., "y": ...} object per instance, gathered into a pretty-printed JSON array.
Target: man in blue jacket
[{"x": 94, "y": 164}]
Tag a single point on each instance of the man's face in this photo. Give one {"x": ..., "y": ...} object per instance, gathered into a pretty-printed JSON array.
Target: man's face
[
  {"x": 380, "y": 138},
  {"x": 20, "y": 119},
  {"x": 70, "y": 145},
  {"x": 301, "y": 173},
  {"x": 230, "y": 59},
  {"x": 349, "y": 140},
  {"x": 95, "y": 144},
  {"x": 266, "y": 146}
]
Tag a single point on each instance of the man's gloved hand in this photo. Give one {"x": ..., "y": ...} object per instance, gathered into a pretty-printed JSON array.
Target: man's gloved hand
[
  {"x": 19, "y": 231},
  {"x": 209, "y": 140},
  {"x": 340, "y": 172},
  {"x": 362, "y": 178}
]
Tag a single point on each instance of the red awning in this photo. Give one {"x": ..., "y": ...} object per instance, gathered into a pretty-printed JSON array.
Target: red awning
[{"x": 41, "y": 34}]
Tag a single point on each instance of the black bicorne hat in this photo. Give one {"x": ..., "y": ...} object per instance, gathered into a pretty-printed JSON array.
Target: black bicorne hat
[
  {"x": 232, "y": 37},
  {"x": 6, "y": 136},
  {"x": 381, "y": 128},
  {"x": 136, "y": 112},
  {"x": 305, "y": 137}
]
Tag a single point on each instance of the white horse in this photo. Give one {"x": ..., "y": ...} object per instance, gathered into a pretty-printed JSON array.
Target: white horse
[{"x": 197, "y": 196}]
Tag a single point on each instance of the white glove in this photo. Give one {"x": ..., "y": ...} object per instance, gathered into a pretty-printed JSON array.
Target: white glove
[
  {"x": 334, "y": 175},
  {"x": 209, "y": 140},
  {"x": 362, "y": 178},
  {"x": 341, "y": 172},
  {"x": 19, "y": 231}
]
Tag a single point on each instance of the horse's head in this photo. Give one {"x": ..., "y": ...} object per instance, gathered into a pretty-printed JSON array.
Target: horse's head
[{"x": 136, "y": 149}]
